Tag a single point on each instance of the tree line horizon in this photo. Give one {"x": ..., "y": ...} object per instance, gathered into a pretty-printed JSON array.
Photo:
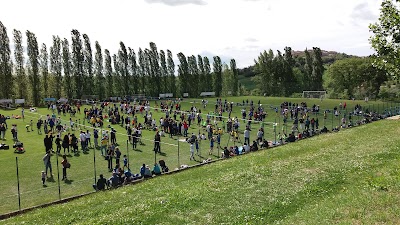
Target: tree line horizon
[{"x": 72, "y": 69}]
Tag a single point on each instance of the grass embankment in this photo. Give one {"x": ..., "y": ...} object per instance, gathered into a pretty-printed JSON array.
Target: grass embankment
[{"x": 349, "y": 177}]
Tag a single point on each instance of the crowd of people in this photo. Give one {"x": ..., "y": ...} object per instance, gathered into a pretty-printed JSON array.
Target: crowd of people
[{"x": 138, "y": 117}]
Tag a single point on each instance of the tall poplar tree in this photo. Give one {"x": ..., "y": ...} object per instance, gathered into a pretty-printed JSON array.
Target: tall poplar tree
[
  {"x": 98, "y": 69},
  {"x": 44, "y": 68},
  {"x": 116, "y": 76},
  {"x": 171, "y": 74},
  {"x": 56, "y": 66},
  {"x": 318, "y": 69},
  {"x": 19, "y": 65},
  {"x": 163, "y": 72},
  {"x": 123, "y": 69},
  {"x": 142, "y": 69},
  {"x": 193, "y": 76},
  {"x": 148, "y": 73},
  {"x": 133, "y": 71},
  {"x": 77, "y": 62},
  {"x": 155, "y": 69},
  {"x": 108, "y": 74},
  {"x": 88, "y": 81},
  {"x": 67, "y": 68},
  {"x": 33, "y": 58},
  {"x": 6, "y": 79},
  {"x": 289, "y": 81},
  {"x": 208, "y": 75},
  {"x": 308, "y": 67},
  {"x": 235, "y": 78},
  {"x": 217, "y": 69},
  {"x": 183, "y": 74},
  {"x": 202, "y": 74}
]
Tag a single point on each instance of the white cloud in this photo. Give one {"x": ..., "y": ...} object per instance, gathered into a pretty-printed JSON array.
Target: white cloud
[
  {"x": 178, "y": 2},
  {"x": 238, "y": 29}
]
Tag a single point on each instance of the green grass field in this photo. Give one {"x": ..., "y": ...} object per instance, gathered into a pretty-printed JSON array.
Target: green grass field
[
  {"x": 81, "y": 174},
  {"x": 350, "y": 177}
]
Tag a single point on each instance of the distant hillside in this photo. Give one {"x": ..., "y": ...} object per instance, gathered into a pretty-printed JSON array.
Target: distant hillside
[{"x": 328, "y": 57}]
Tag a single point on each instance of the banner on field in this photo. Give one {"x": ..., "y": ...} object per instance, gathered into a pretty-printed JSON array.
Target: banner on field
[
  {"x": 203, "y": 94},
  {"x": 49, "y": 99},
  {"x": 19, "y": 101},
  {"x": 166, "y": 95},
  {"x": 63, "y": 100},
  {"x": 3, "y": 101}
]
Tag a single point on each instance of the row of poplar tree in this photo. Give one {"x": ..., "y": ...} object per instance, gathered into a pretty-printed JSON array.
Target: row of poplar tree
[{"x": 72, "y": 71}]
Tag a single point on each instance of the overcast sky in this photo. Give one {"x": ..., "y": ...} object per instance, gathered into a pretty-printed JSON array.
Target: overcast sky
[{"x": 238, "y": 29}]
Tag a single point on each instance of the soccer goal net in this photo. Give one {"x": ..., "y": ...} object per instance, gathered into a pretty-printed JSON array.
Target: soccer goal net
[{"x": 314, "y": 94}]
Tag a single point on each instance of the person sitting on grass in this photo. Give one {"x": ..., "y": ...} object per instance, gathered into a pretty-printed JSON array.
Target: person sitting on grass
[
  {"x": 156, "y": 169},
  {"x": 101, "y": 184},
  {"x": 264, "y": 144},
  {"x": 147, "y": 172},
  {"x": 114, "y": 180},
  {"x": 164, "y": 167},
  {"x": 225, "y": 153},
  {"x": 254, "y": 147}
]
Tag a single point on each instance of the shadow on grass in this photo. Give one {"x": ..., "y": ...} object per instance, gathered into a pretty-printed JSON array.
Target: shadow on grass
[
  {"x": 162, "y": 153},
  {"x": 50, "y": 179},
  {"x": 137, "y": 150},
  {"x": 68, "y": 181}
]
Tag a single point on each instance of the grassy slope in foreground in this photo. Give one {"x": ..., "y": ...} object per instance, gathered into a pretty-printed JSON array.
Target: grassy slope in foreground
[{"x": 349, "y": 177}]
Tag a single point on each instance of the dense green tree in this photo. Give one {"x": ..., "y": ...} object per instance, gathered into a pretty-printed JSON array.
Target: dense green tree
[
  {"x": 88, "y": 81},
  {"x": 235, "y": 78},
  {"x": 217, "y": 69},
  {"x": 78, "y": 60},
  {"x": 386, "y": 38},
  {"x": 98, "y": 70},
  {"x": 6, "y": 79},
  {"x": 19, "y": 65},
  {"x": 263, "y": 68},
  {"x": 354, "y": 77},
  {"x": 208, "y": 75},
  {"x": 44, "y": 68},
  {"x": 56, "y": 66},
  {"x": 67, "y": 68},
  {"x": 33, "y": 59},
  {"x": 108, "y": 74},
  {"x": 171, "y": 74}
]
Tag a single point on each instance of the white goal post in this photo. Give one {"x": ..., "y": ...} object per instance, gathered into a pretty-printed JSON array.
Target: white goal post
[{"x": 314, "y": 94}]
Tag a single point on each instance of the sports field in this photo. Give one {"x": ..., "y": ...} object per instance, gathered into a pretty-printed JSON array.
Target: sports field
[
  {"x": 350, "y": 177},
  {"x": 175, "y": 151}
]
